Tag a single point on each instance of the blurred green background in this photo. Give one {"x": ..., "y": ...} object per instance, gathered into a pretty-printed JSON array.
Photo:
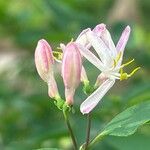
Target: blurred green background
[{"x": 28, "y": 117}]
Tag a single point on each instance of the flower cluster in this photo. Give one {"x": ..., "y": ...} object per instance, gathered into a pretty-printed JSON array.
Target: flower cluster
[{"x": 108, "y": 60}]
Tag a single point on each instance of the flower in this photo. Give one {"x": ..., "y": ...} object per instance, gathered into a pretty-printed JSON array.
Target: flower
[
  {"x": 44, "y": 62},
  {"x": 71, "y": 70},
  {"x": 109, "y": 61}
]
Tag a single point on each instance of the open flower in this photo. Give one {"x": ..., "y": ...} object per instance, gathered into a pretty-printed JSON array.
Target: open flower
[{"x": 109, "y": 61}]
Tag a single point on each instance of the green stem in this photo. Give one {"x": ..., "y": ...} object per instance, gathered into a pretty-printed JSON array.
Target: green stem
[
  {"x": 88, "y": 131},
  {"x": 70, "y": 130}
]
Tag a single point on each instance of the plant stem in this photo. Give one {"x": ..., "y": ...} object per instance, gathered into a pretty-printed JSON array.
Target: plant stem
[
  {"x": 88, "y": 131},
  {"x": 70, "y": 130}
]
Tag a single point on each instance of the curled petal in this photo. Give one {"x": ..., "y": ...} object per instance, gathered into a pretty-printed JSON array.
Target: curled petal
[
  {"x": 123, "y": 39},
  {"x": 122, "y": 43},
  {"x": 99, "y": 29},
  {"x": 82, "y": 38},
  {"x": 89, "y": 104},
  {"x": 101, "y": 49},
  {"x": 91, "y": 57},
  {"x": 106, "y": 38}
]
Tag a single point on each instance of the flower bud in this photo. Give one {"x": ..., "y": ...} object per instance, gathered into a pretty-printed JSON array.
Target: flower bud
[
  {"x": 71, "y": 70},
  {"x": 44, "y": 64},
  {"x": 44, "y": 59}
]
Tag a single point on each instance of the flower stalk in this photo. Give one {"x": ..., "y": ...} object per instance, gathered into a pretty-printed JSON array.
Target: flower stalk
[
  {"x": 88, "y": 131},
  {"x": 65, "y": 113}
]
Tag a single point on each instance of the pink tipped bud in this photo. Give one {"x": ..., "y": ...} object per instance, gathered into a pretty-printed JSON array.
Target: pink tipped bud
[
  {"x": 44, "y": 64},
  {"x": 44, "y": 59},
  {"x": 71, "y": 70}
]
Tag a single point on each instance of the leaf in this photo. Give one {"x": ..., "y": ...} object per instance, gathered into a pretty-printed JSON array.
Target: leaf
[
  {"x": 127, "y": 122},
  {"x": 138, "y": 141}
]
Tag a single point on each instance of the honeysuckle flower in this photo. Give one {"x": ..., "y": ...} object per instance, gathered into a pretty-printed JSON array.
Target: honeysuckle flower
[
  {"x": 71, "y": 70},
  {"x": 44, "y": 62},
  {"x": 108, "y": 62}
]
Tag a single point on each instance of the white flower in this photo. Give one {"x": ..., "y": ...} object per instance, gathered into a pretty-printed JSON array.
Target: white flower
[{"x": 109, "y": 61}]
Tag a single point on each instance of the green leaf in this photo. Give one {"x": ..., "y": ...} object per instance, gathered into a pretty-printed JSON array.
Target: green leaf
[
  {"x": 138, "y": 141},
  {"x": 127, "y": 122}
]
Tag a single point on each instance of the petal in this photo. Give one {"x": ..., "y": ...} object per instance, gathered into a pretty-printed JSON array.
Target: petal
[
  {"x": 82, "y": 38},
  {"x": 101, "y": 49},
  {"x": 99, "y": 29},
  {"x": 91, "y": 57},
  {"x": 123, "y": 39},
  {"x": 89, "y": 104},
  {"x": 106, "y": 37},
  {"x": 122, "y": 43}
]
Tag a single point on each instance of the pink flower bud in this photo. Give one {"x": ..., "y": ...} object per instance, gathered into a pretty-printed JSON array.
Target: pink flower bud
[
  {"x": 71, "y": 70},
  {"x": 44, "y": 64},
  {"x": 44, "y": 59}
]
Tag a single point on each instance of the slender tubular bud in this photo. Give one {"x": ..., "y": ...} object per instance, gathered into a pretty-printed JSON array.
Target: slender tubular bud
[
  {"x": 71, "y": 70},
  {"x": 44, "y": 62},
  {"x": 84, "y": 77}
]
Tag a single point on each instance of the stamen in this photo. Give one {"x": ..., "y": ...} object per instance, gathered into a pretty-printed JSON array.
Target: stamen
[
  {"x": 71, "y": 40},
  {"x": 117, "y": 59},
  {"x": 134, "y": 71},
  {"x": 124, "y": 76},
  {"x": 57, "y": 55},
  {"x": 59, "y": 48},
  {"x": 126, "y": 64},
  {"x": 115, "y": 63}
]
